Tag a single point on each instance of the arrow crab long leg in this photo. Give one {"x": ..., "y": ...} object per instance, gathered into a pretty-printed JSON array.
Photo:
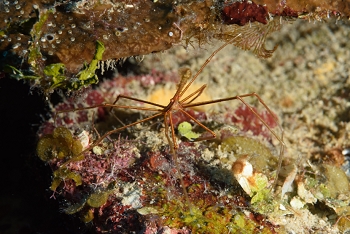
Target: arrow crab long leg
[{"x": 179, "y": 103}]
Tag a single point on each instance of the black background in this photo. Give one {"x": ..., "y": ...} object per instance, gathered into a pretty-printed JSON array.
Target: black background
[{"x": 25, "y": 204}]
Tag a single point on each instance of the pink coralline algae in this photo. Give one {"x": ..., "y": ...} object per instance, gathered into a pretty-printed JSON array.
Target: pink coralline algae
[
  {"x": 250, "y": 122},
  {"x": 129, "y": 182},
  {"x": 243, "y": 12}
]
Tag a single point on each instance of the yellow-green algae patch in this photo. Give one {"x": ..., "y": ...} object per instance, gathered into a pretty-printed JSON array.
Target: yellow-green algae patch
[
  {"x": 258, "y": 154},
  {"x": 63, "y": 174},
  {"x": 98, "y": 199},
  {"x": 60, "y": 145},
  {"x": 337, "y": 181},
  {"x": 204, "y": 212},
  {"x": 255, "y": 181},
  {"x": 208, "y": 219}
]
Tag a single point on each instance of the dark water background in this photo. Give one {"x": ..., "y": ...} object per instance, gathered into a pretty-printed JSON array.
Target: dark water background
[{"x": 25, "y": 204}]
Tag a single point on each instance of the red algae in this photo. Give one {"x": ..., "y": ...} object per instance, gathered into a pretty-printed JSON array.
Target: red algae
[
  {"x": 129, "y": 182},
  {"x": 244, "y": 12}
]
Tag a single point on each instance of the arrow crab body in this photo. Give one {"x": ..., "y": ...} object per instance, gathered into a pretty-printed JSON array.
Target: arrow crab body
[{"x": 108, "y": 172}]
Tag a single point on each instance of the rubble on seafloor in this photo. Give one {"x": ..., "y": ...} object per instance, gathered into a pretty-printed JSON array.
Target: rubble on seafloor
[
  {"x": 118, "y": 184},
  {"x": 54, "y": 44},
  {"x": 130, "y": 182}
]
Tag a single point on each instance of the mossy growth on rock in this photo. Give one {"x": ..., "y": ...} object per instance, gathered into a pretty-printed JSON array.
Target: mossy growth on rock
[
  {"x": 258, "y": 154},
  {"x": 36, "y": 34},
  {"x": 59, "y": 145}
]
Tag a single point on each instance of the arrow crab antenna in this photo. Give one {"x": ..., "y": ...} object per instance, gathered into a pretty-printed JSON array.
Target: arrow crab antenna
[{"x": 179, "y": 103}]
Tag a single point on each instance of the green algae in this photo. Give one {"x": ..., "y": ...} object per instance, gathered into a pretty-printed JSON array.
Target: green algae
[
  {"x": 337, "y": 181},
  {"x": 185, "y": 130},
  {"x": 207, "y": 219},
  {"x": 85, "y": 77},
  {"x": 95, "y": 199},
  {"x": 202, "y": 213},
  {"x": 53, "y": 75},
  {"x": 259, "y": 155},
  {"x": 56, "y": 72},
  {"x": 88, "y": 76},
  {"x": 88, "y": 216},
  {"x": 63, "y": 174},
  {"x": 254, "y": 153},
  {"x": 332, "y": 183},
  {"x": 196, "y": 219},
  {"x": 98, "y": 199},
  {"x": 72, "y": 209},
  {"x": 260, "y": 192},
  {"x": 35, "y": 57},
  {"x": 60, "y": 145},
  {"x": 17, "y": 74}
]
